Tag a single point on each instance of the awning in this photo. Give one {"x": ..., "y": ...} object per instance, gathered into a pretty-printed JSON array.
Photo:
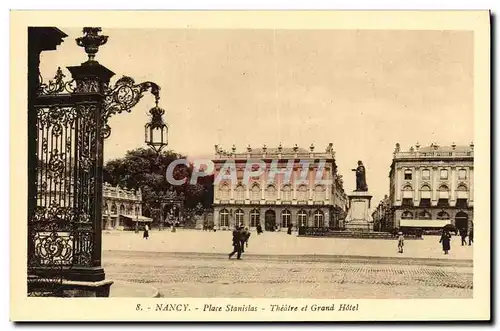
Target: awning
[
  {"x": 423, "y": 223},
  {"x": 139, "y": 218}
]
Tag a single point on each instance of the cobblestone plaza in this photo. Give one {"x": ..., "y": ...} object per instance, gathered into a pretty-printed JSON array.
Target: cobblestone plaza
[{"x": 194, "y": 264}]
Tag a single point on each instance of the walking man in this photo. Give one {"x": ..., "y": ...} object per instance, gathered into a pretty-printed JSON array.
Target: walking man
[
  {"x": 245, "y": 235},
  {"x": 463, "y": 235},
  {"x": 236, "y": 244},
  {"x": 471, "y": 236},
  {"x": 146, "y": 232}
]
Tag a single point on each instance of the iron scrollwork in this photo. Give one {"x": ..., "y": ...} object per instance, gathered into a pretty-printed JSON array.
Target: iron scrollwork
[
  {"x": 57, "y": 85},
  {"x": 123, "y": 97}
]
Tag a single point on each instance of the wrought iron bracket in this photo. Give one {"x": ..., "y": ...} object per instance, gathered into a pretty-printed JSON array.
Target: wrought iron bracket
[{"x": 123, "y": 97}]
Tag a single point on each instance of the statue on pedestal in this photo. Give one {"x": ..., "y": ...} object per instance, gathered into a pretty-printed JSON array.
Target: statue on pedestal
[{"x": 361, "y": 185}]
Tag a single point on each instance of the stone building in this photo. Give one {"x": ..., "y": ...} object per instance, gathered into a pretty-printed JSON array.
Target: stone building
[
  {"x": 382, "y": 215},
  {"x": 278, "y": 197},
  {"x": 122, "y": 208},
  {"x": 432, "y": 185}
]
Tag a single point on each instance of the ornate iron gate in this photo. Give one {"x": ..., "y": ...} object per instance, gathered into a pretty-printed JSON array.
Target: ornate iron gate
[{"x": 67, "y": 125}]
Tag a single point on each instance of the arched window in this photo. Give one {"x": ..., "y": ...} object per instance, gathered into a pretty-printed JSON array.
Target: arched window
[
  {"x": 286, "y": 218},
  {"x": 239, "y": 192},
  {"x": 302, "y": 218},
  {"x": 319, "y": 219},
  {"x": 224, "y": 218},
  {"x": 319, "y": 193},
  {"x": 137, "y": 210},
  {"x": 122, "y": 210},
  {"x": 286, "y": 193},
  {"x": 407, "y": 192},
  {"x": 256, "y": 193},
  {"x": 254, "y": 217},
  {"x": 239, "y": 217},
  {"x": 271, "y": 192},
  {"x": 443, "y": 216},
  {"x": 225, "y": 193},
  {"x": 105, "y": 208},
  {"x": 113, "y": 209},
  {"x": 424, "y": 215},
  {"x": 302, "y": 193},
  {"x": 443, "y": 192},
  {"x": 425, "y": 192},
  {"x": 407, "y": 215}
]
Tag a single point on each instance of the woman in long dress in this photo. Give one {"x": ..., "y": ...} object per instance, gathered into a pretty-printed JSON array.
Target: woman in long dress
[
  {"x": 445, "y": 241},
  {"x": 146, "y": 232}
]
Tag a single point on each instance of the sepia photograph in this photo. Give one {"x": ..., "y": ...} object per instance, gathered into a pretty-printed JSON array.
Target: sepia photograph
[{"x": 198, "y": 170}]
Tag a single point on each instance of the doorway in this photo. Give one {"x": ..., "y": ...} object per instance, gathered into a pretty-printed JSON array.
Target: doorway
[
  {"x": 270, "y": 219},
  {"x": 462, "y": 221}
]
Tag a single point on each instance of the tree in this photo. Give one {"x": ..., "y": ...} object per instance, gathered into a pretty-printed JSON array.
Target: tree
[{"x": 145, "y": 169}]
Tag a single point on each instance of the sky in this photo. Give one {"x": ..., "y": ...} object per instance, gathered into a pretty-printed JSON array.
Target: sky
[{"x": 362, "y": 90}]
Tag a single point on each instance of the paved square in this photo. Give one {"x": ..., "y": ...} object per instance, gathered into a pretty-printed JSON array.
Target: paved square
[{"x": 276, "y": 265}]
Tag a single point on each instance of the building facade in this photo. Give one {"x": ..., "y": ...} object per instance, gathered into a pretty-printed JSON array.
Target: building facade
[
  {"x": 121, "y": 208},
  {"x": 381, "y": 216},
  {"x": 279, "y": 196},
  {"x": 432, "y": 184}
]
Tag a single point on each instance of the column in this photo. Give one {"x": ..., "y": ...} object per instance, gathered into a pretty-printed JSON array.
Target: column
[
  {"x": 471, "y": 185},
  {"x": 435, "y": 174},
  {"x": 216, "y": 218},
  {"x": 416, "y": 185},
  {"x": 310, "y": 185},
  {"x": 399, "y": 180},
  {"x": 453, "y": 184},
  {"x": 293, "y": 180},
  {"x": 262, "y": 186}
]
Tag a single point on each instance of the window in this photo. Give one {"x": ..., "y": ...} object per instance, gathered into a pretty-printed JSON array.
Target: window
[
  {"x": 105, "y": 208},
  {"x": 240, "y": 192},
  {"x": 461, "y": 203},
  {"x": 113, "y": 209},
  {"x": 443, "y": 216},
  {"x": 122, "y": 210},
  {"x": 425, "y": 192},
  {"x": 425, "y": 203},
  {"x": 287, "y": 193},
  {"x": 407, "y": 202},
  {"x": 254, "y": 218},
  {"x": 224, "y": 218},
  {"x": 239, "y": 217},
  {"x": 462, "y": 174},
  {"x": 271, "y": 193},
  {"x": 137, "y": 210},
  {"x": 302, "y": 193},
  {"x": 426, "y": 174},
  {"x": 408, "y": 174},
  {"x": 319, "y": 193},
  {"x": 407, "y": 192},
  {"x": 256, "y": 193},
  {"x": 407, "y": 215},
  {"x": 443, "y": 192},
  {"x": 462, "y": 192},
  {"x": 443, "y": 203},
  {"x": 319, "y": 221},
  {"x": 285, "y": 218},
  {"x": 443, "y": 174},
  {"x": 424, "y": 215},
  {"x": 302, "y": 218},
  {"x": 224, "y": 192}
]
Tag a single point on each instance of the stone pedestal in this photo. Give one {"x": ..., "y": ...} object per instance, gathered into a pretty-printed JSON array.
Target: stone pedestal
[{"x": 358, "y": 216}]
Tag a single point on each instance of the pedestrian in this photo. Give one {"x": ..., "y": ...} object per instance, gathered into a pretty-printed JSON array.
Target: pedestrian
[
  {"x": 245, "y": 235},
  {"x": 259, "y": 228},
  {"x": 289, "y": 231},
  {"x": 445, "y": 241},
  {"x": 401, "y": 242},
  {"x": 471, "y": 236},
  {"x": 463, "y": 235},
  {"x": 146, "y": 232},
  {"x": 236, "y": 243}
]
